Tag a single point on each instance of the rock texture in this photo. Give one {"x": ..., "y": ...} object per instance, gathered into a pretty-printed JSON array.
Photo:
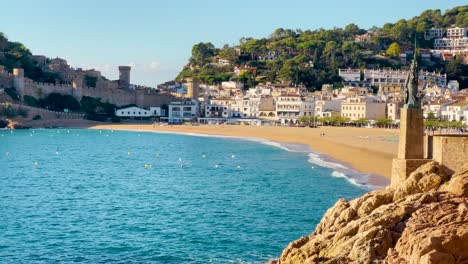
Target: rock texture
[{"x": 425, "y": 220}]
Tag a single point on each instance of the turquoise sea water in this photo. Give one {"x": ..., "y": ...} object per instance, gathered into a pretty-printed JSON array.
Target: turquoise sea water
[{"x": 89, "y": 196}]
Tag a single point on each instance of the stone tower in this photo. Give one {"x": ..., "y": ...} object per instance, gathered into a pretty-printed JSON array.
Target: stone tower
[
  {"x": 193, "y": 88},
  {"x": 124, "y": 77},
  {"x": 18, "y": 81}
]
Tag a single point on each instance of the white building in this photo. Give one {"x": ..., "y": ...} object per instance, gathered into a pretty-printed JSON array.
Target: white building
[
  {"x": 246, "y": 107},
  {"x": 223, "y": 62},
  {"x": 435, "y": 108},
  {"x": 377, "y": 77},
  {"x": 455, "y": 112},
  {"x": 217, "y": 111},
  {"x": 183, "y": 111},
  {"x": 393, "y": 111},
  {"x": 271, "y": 55},
  {"x": 451, "y": 43},
  {"x": 453, "y": 85},
  {"x": 289, "y": 108},
  {"x": 232, "y": 85},
  {"x": 366, "y": 38},
  {"x": 456, "y": 32},
  {"x": 132, "y": 112},
  {"x": 434, "y": 33}
]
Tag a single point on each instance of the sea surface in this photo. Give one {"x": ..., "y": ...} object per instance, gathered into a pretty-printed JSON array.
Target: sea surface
[{"x": 90, "y": 196}]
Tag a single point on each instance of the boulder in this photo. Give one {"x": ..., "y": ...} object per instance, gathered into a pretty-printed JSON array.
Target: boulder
[{"x": 425, "y": 220}]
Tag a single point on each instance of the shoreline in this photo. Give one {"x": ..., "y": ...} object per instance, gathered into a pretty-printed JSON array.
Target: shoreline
[{"x": 323, "y": 152}]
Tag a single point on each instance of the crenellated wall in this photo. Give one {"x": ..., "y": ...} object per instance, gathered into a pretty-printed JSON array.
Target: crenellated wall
[{"x": 108, "y": 91}]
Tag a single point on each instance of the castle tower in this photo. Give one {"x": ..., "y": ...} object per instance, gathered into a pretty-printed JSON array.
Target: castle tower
[
  {"x": 124, "y": 77},
  {"x": 193, "y": 88},
  {"x": 18, "y": 81}
]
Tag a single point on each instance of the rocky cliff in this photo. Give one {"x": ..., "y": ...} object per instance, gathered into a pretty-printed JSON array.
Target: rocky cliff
[{"x": 425, "y": 220}]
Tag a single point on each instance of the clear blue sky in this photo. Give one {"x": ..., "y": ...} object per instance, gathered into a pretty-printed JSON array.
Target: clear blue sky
[{"x": 156, "y": 36}]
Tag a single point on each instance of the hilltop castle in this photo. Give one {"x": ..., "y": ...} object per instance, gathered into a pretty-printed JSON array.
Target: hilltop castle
[{"x": 80, "y": 83}]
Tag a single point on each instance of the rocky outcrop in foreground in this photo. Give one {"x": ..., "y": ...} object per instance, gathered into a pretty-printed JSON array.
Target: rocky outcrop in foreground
[{"x": 425, "y": 220}]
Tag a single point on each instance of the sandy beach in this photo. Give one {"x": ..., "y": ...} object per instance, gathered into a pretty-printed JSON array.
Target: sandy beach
[{"x": 363, "y": 149}]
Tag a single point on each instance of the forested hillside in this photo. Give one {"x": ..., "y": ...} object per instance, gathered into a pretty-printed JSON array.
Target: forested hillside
[
  {"x": 15, "y": 54},
  {"x": 313, "y": 57}
]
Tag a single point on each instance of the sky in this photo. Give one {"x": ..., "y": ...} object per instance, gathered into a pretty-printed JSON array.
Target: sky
[{"x": 155, "y": 37}]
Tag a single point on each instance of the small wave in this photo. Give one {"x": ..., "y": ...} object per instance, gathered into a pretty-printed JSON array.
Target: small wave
[
  {"x": 342, "y": 171},
  {"x": 316, "y": 159},
  {"x": 353, "y": 181}
]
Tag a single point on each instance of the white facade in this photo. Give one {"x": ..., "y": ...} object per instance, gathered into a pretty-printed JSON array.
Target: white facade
[
  {"x": 453, "y": 85},
  {"x": 133, "y": 112},
  {"x": 290, "y": 108},
  {"x": 246, "y": 107},
  {"x": 157, "y": 111},
  {"x": 223, "y": 62},
  {"x": 455, "y": 112},
  {"x": 350, "y": 75},
  {"x": 435, "y": 108},
  {"x": 393, "y": 111},
  {"x": 456, "y": 32},
  {"x": 451, "y": 43},
  {"x": 216, "y": 111},
  {"x": 183, "y": 111},
  {"x": 434, "y": 33},
  {"x": 232, "y": 85}
]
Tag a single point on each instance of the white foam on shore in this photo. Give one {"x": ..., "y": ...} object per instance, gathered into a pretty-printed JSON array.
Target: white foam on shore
[
  {"x": 353, "y": 181},
  {"x": 339, "y": 170}
]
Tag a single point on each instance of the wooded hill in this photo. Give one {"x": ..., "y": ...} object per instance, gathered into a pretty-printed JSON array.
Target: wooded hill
[{"x": 313, "y": 57}]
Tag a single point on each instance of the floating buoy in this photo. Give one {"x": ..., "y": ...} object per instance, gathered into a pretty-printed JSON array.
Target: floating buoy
[
  {"x": 313, "y": 167},
  {"x": 238, "y": 166},
  {"x": 233, "y": 156},
  {"x": 36, "y": 163},
  {"x": 216, "y": 166},
  {"x": 157, "y": 155},
  {"x": 146, "y": 166},
  {"x": 180, "y": 159},
  {"x": 56, "y": 152},
  {"x": 129, "y": 153},
  {"x": 203, "y": 156}
]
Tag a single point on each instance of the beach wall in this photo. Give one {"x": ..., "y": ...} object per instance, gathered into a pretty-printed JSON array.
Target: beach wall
[{"x": 450, "y": 151}]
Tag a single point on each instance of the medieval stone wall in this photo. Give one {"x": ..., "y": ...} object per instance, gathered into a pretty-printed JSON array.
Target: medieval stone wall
[
  {"x": 6, "y": 80},
  {"x": 450, "y": 150},
  {"x": 107, "y": 91}
]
